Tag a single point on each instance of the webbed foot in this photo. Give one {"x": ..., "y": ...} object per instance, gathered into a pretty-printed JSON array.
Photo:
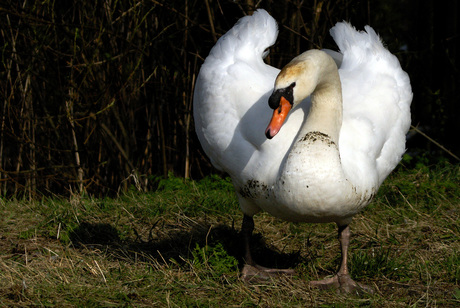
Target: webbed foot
[
  {"x": 343, "y": 283},
  {"x": 256, "y": 273}
]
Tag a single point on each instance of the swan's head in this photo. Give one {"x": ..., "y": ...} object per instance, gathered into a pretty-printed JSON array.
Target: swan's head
[{"x": 296, "y": 81}]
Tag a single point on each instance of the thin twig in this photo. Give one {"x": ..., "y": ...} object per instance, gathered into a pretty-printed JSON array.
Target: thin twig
[
  {"x": 211, "y": 22},
  {"x": 434, "y": 141},
  {"x": 99, "y": 268}
]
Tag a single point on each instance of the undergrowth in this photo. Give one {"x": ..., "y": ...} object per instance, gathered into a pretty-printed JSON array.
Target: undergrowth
[{"x": 180, "y": 246}]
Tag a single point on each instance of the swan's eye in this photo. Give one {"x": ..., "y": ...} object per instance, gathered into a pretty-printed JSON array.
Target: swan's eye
[{"x": 292, "y": 85}]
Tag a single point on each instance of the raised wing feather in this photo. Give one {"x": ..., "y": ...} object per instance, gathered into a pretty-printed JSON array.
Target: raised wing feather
[
  {"x": 376, "y": 103},
  {"x": 233, "y": 81}
]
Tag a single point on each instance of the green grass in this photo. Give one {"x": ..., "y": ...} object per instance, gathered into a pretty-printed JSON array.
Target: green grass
[{"x": 180, "y": 246}]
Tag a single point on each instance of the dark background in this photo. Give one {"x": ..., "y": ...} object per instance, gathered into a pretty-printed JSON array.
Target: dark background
[{"x": 96, "y": 96}]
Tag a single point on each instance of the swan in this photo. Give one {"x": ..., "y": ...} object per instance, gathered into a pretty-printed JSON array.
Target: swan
[{"x": 336, "y": 128}]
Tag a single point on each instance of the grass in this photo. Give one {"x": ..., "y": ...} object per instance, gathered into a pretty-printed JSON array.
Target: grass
[{"x": 180, "y": 246}]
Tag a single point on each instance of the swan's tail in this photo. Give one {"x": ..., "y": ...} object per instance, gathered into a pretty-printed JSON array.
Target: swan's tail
[{"x": 250, "y": 37}]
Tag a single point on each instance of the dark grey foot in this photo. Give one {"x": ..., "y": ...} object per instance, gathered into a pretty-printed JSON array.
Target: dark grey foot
[
  {"x": 343, "y": 283},
  {"x": 254, "y": 273}
]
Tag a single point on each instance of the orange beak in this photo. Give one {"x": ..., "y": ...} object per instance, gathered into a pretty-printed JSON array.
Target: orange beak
[{"x": 278, "y": 117}]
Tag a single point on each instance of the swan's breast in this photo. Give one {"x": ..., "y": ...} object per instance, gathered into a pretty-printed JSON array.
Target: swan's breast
[{"x": 311, "y": 186}]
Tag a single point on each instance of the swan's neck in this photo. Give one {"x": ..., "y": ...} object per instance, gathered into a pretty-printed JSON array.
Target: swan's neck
[
  {"x": 314, "y": 157},
  {"x": 325, "y": 114},
  {"x": 313, "y": 167}
]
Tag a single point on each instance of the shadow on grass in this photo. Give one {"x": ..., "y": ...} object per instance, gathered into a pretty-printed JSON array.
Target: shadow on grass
[{"x": 177, "y": 243}]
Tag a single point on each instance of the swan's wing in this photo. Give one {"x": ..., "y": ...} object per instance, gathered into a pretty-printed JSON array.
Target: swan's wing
[
  {"x": 231, "y": 92},
  {"x": 376, "y": 97}
]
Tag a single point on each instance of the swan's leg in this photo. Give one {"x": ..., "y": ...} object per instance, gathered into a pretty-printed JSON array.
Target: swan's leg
[
  {"x": 247, "y": 228},
  {"x": 342, "y": 279},
  {"x": 252, "y": 270}
]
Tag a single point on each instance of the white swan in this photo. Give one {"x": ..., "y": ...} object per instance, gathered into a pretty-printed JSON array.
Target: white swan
[{"x": 332, "y": 153}]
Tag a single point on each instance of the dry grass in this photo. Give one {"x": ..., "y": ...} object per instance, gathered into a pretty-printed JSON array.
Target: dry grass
[{"x": 176, "y": 248}]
